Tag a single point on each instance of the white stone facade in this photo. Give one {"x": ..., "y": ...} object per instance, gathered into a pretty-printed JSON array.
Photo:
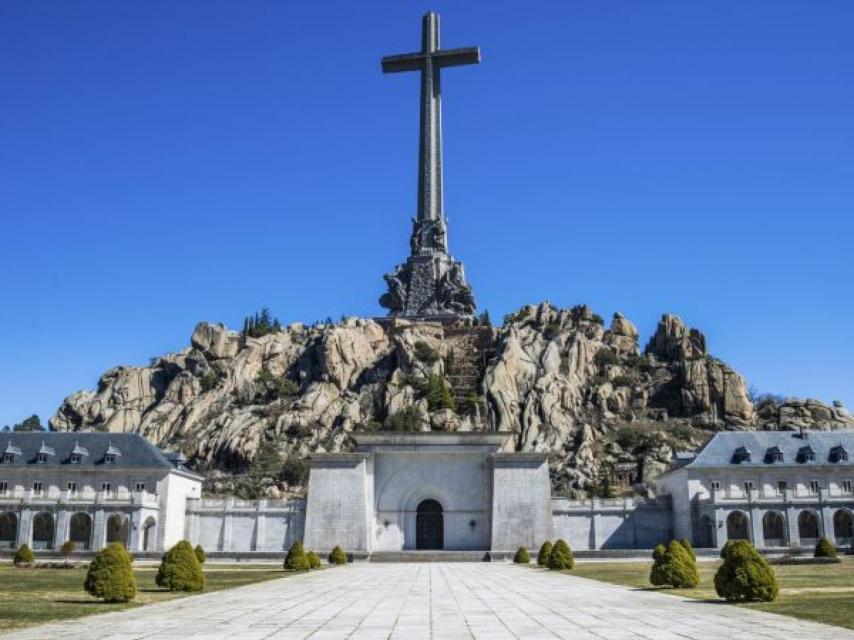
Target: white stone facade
[
  {"x": 779, "y": 498},
  {"x": 138, "y": 499}
]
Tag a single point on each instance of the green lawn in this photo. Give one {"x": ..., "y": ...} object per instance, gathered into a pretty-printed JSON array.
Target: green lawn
[
  {"x": 36, "y": 596},
  {"x": 824, "y": 593}
]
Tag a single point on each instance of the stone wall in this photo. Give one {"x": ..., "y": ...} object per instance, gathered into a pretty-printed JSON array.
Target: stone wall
[
  {"x": 232, "y": 525},
  {"x": 621, "y": 523}
]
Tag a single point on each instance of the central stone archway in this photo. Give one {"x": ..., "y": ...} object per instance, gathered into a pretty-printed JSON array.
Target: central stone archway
[{"x": 429, "y": 525}]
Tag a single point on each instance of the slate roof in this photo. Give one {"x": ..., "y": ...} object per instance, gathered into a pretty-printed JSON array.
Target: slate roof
[
  {"x": 720, "y": 450},
  {"x": 135, "y": 451}
]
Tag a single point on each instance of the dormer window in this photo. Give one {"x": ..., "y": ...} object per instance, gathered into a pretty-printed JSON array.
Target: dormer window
[
  {"x": 10, "y": 452},
  {"x": 741, "y": 455},
  {"x": 806, "y": 454},
  {"x": 77, "y": 454},
  {"x": 111, "y": 455},
  {"x": 774, "y": 454},
  {"x": 838, "y": 454},
  {"x": 44, "y": 452},
  {"x": 41, "y": 458}
]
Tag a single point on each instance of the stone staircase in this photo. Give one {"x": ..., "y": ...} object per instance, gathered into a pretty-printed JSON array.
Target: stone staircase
[
  {"x": 472, "y": 347},
  {"x": 423, "y": 555}
]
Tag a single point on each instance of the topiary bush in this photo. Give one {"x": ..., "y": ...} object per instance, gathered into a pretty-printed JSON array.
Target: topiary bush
[
  {"x": 110, "y": 576},
  {"x": 337, "y": 556},
  {"x": 296, "y": 560},
  {"x": 68, "y": 547},
  {"x": 745, "y": 576},
  {"x": 674, "y": 567},
  {"x": 685, "y": 542},
  {"x": 522, "y": 556},
  {"x": 313, "y": 560},
  {"x": 656, "y": 574},
  {"x": 725, "y": 548},
  {"x": 24, "y": 555},
  {"x": 544, "y": 553},
  {"x": 824, "y": 549},
  {"x": 201, "y": 556},
  {"x": 561, "y": 556},
  {"x": 180, "y": 569}
]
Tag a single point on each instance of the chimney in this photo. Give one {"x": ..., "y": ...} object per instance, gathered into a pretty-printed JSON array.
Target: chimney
[{"x": 804, "y": 434}]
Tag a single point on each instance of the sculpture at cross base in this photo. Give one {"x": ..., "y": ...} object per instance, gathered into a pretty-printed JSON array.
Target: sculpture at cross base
[{"x": 430, "y": 282}]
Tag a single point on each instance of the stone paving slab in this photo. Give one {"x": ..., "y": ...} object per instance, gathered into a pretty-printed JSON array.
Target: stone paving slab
[{"x": 447, "y": 601}]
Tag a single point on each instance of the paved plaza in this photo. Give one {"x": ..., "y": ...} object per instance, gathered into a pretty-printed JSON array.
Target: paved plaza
[{"x": 438, "y": 601}]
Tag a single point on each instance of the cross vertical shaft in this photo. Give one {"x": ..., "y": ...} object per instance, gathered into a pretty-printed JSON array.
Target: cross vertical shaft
[
  {"x": 430, "y": 201},
  {"x": 429, "y": 235}
]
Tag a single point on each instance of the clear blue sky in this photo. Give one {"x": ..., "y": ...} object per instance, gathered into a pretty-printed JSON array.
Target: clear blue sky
[{"x": 167, "y": 162}]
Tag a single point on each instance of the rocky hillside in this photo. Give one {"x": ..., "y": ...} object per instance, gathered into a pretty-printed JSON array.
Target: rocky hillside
[{"x": 557, "y": 378}]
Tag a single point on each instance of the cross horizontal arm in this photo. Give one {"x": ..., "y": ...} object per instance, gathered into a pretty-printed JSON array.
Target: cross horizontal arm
[
  {"x": 403, "y": 62},
  {"x": 456, "y": 57},
  {"x": 444, "y": 58}
]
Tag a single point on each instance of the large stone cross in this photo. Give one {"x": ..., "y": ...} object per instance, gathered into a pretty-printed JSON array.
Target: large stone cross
[{"x": 429, "y": 235}]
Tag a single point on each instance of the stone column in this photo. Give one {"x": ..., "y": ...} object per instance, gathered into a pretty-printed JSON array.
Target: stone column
[
  {"x": 792, "y": 525},
  {"x": 260, "y": 525},
  {"x": 227, "y": 525},
  {"x": 25, "y": 527},
  {"x": 63, "y": 521},
  {"x": 99, "y": 530}
]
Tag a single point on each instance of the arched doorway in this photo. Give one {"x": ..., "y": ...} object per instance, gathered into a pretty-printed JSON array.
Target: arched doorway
[
  {"x": 43, "y": 531},
  {"x": 429, "y": 526},
  {"x": 117, "y": 529},
  {"x": 8, "y": 530},
  {"x": 705, "y": 533},
  {"x": 773, "y": 529},
  {"x": 80, "y": 530},
  {"x": 808, "y": 530},
  {"x": 843, "y": 527},
  {"x": 737, "y": 526},
  {"x": 148, "y": 534}
]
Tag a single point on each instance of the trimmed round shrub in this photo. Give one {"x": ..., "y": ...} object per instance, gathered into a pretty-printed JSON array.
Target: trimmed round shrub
[
  {"x": 296, "y": 560},
  {"x": 824, "y": 549},
  {"x": 313, "y": 560},
  {"x": 200, "y": 554},
  {"x": 725, "y": 548},
  {"x": 674, "y": 567},
  {"x": 685, "y": 542},
  {"x": 745, "y": 576},
  {"x": 522, "y": 556},
  {"x": 656, "y": 574},
  {"x": 24, "y": 555},
  {"x": 110, "y": 576},
  {"x": 544, "y": 553},
  {"x": 561, "y": 556},
  {"x": 68, "y": 547},
  {"x": 337, "y": 556},
  {"x": 180, "y": 570}
]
